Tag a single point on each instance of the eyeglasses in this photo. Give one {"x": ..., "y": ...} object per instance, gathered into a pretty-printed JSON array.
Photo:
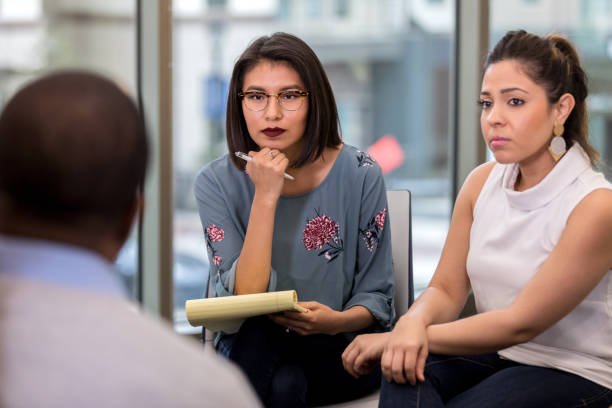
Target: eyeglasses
[{"x": 290, "y": 100}]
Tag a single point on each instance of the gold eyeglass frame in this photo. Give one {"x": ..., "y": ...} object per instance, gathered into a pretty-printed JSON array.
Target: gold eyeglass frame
[{"x": 302, "y": 94}]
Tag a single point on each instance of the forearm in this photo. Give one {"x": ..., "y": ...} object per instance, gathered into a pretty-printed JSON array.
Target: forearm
[
  {"x": 254, "y": 264},
  {"x": 353, "y": 319},
  {"x": 434, "y": 306},
  {"x": 481, "y": 333}
]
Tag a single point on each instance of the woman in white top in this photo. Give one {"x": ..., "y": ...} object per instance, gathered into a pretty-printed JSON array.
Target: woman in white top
[{"x": 531, "y": 236}]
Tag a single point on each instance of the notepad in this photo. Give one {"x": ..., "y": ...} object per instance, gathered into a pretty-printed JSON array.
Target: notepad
[{"x": 228, "y": 312}]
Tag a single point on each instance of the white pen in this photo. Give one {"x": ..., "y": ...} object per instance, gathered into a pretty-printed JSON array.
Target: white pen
[{"x": 248, "y": 158}]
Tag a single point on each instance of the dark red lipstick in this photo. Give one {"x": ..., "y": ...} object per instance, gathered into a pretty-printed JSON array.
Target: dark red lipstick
[{"x": 272, "y": 132}]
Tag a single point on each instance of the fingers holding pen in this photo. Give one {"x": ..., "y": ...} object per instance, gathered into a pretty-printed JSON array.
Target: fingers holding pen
[
  {"x": 271, "y": 153},
  {"x": 266, "y": 169},
  {"x": 265, "y": 154},
  {"x": 280, "y": 162},
  {"x": 267, "y": 161},
  {"x": 269, "y": 156}
]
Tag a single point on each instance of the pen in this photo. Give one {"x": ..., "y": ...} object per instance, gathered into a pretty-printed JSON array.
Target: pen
[{"x": 248, "y": 158}]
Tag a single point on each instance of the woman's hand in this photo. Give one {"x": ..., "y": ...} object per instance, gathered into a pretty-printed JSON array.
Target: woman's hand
[
  {"x": 403, "y": 359},
  {"x": 319, "y": 319},
  {"x": 364, "y": 353},
  {"x": 266, "y": 170}
]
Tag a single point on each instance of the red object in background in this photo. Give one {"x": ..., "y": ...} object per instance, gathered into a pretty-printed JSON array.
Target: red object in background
[{"x": 387, "y": 152}]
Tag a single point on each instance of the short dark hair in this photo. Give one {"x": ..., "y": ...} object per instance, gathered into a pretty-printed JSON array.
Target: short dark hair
[
  {"x": 322, "y": 125},
  {"x": 553, "y": 63},
  {"x": 73, "y": 146}
]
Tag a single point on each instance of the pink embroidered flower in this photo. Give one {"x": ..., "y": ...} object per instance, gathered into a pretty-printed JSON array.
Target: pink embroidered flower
[
  {"x": 319, "y": 231},
  {"x": 215, "y": 234},
  {"x": 372, "y": 233},
  {"x": 380, "y": 218}
]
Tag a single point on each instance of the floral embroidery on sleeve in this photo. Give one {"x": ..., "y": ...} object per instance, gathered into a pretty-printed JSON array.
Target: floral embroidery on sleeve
[
  {"x": 214, "y": 234},
  {"x": 321, "y": 232},
  {"x": 364, "y": 159},
  {"x": 372, "y": 232}
]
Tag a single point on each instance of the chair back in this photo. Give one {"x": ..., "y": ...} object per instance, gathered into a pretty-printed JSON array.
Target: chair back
[
  {"x": 400, "y": 217},
  {"x": 401, "y": 242}
]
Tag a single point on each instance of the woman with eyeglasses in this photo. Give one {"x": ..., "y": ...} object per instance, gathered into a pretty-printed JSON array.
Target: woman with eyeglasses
[{"x": 301, "y": 211}]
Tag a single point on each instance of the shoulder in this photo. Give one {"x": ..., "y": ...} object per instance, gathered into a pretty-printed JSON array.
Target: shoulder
[
  {"x": 479, "y": 175},
  {"x": 216, "y": 174},
  {"x": 588, "y": 230},
  {"x": 475, "y": 181},
  {"x": 184, "y": 367},
  {"x": 359, "y": 163},
  {"x": 218, "y": 168},
  {"x": 595, "y": 209},
  {"x": 67, "y": 316},
  {"x": 591, "y": 179},
  {"x": 590, "y": 195}
]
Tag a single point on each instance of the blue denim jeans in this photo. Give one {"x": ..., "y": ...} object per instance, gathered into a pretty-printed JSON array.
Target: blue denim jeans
[
  {"x": 288, "y": 370},
  {"x": 490, "y": 381}
]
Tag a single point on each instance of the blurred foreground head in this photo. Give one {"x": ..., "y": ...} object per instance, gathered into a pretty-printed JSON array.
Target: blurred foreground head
[{"x": 73, "y": 152}]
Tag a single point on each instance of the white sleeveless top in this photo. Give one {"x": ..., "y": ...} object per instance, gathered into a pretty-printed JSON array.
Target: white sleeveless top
[{"x": 512, "y": 234}]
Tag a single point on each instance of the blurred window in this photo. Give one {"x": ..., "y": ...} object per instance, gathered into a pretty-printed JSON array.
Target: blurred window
[
  {"x": 314, "y": 8},
  {"x": 342, "y": 8}
]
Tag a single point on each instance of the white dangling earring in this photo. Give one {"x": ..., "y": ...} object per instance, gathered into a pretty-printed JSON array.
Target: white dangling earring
[{"x": 557, "y": 146}]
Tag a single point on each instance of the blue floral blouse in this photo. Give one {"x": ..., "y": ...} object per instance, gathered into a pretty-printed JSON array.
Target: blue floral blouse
[{"x": 332, "y": 245}]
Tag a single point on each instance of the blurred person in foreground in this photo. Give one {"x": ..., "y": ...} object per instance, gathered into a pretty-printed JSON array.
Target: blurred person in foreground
[
  {"x": 73, "y": 153},
  {"x": 531, "y": 236}
]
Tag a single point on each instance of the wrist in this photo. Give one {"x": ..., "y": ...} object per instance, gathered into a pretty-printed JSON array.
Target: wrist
[
  {"x": 352, "y": 319},
  {"x": 338, "y": 323},
  {"x": 265, "y": 200},
  {"x": 412, "y": 319}
]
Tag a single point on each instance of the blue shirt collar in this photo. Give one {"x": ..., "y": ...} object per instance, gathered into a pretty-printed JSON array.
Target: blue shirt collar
[{"x": 59, "y": 264}]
